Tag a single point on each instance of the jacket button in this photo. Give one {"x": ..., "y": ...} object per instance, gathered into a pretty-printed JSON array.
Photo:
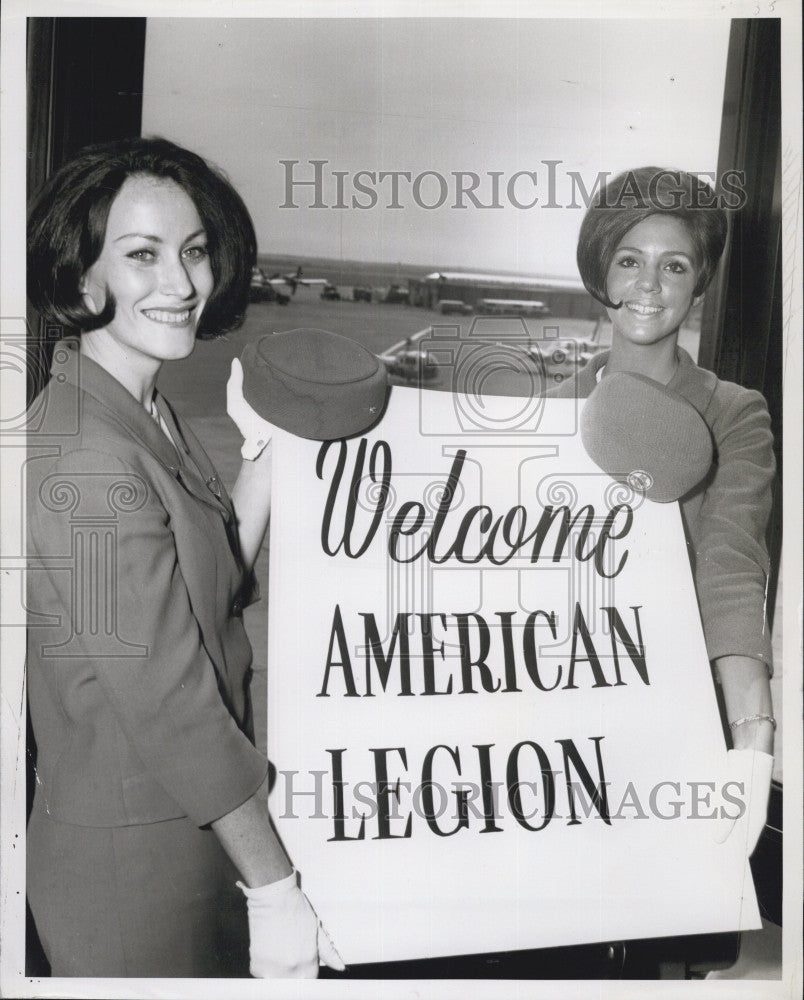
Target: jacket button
[{"x": 237, "y": 607}]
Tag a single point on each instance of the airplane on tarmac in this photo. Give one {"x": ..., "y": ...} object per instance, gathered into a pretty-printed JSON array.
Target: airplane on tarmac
[{"x": 293, "y": 280}]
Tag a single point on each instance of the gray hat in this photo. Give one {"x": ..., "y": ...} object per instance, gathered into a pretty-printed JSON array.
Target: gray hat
[
  {"x": 644, "y": 434},
  {"x": 314, "y": 383}
]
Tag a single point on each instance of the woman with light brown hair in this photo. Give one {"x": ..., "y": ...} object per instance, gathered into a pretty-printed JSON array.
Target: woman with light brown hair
[{"x": 648, "y": 248}]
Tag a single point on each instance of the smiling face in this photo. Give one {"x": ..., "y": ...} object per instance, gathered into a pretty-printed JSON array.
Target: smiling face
[
  {"x": 155, "y": 264},
  {"x": 653, "y": 274}
]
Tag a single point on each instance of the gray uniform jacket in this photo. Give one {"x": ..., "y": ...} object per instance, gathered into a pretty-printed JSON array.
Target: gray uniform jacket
[
  {"x": 725, "y": 517},
  {"x": 138, "y": 662}
]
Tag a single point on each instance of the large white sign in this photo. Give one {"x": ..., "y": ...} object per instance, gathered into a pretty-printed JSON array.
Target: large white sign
[{"x": 491, "y": 712}]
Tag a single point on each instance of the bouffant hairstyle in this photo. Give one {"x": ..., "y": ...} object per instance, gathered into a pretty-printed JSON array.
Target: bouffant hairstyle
[
  {"x": 67, "y": 226},
  {"x": 630, "y": 197}
]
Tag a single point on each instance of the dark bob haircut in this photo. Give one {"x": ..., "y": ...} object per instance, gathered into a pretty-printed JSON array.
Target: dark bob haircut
[
  {"x": 632, "y": 196},
  {"x": 67, "y": 226}
]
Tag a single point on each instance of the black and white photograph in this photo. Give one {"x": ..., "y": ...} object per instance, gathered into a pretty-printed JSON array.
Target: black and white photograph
[{"x": 401, "y": 488}]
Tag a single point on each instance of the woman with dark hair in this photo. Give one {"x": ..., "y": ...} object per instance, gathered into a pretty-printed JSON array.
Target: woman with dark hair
[
  {"x": 150, "y": 795},
  {"x": 648, "y": 247}
]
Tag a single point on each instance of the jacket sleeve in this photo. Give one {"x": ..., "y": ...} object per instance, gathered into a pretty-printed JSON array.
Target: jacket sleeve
[
  {"x": 165, "y": 698},
  {"x": 731, "y": 558}
]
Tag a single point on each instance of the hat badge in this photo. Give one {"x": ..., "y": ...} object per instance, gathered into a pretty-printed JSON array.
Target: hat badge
[{"x": 640, "y": 480}]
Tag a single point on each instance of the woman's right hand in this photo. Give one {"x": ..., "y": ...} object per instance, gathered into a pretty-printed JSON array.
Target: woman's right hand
[
  {"x": 747, "y": 773},
  {"x": 286, "y": 938}
]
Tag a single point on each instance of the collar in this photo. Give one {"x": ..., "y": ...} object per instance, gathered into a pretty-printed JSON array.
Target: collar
[
  {"x": 72, "y": 367},
  {"x": 696, "y": 385},
  {"x": 184, "y": 457}
]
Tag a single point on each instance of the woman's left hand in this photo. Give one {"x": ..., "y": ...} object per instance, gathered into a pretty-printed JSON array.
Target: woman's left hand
[{"x": 256, "y": 431}]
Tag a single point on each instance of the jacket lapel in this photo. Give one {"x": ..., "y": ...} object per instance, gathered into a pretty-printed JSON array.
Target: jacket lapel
[
  {"x": 197, "y": 472},
  {"x": 181, "y": 457}
]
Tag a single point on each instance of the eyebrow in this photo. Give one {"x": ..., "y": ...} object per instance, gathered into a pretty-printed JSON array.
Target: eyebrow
[
  {"x": 665, "y": 253},
  {"x": 158, "y": 239}
]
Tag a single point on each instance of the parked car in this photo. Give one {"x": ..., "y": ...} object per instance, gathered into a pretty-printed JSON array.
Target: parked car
[
  {"x": 449, "y": 306},
  {"x": 261, "y": 289},
  {"x": 561, "y": 359},
  {"x": 396, "y": 293},
  {"x": 331, "y": 293},
  {"x": 410, "y": 364},
  {"x": 361, "y": 293}
]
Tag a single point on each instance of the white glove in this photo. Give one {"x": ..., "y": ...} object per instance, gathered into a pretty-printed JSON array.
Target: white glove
[
  {"x": 286, "y": 938},
  {"x": 748, "y": 777},
  {"x": 256, "y": 431}
]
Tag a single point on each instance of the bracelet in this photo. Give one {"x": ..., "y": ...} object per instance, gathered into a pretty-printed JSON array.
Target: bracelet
[{"x": 753, "y": 718}]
